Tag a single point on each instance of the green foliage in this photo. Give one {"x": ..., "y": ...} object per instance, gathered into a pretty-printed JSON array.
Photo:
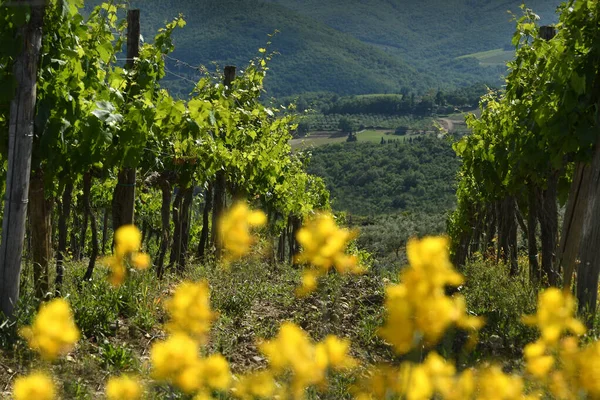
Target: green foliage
[
  {"x": 385, "y": 236},
  {"x": 544, "y": 121},
  {"x": 96, "y": 309},
  {"x": 368, "y": 179},
  {"x": 346, "y": 125},
  {"x": 75, "y": 389},
  {"x": 490, "y": 292},
  {"x": 116, "y": 357},
  {"x": 330, "y": 122}
]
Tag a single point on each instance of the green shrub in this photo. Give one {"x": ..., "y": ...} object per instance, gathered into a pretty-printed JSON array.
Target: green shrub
[{"x": 492, "y": 293}]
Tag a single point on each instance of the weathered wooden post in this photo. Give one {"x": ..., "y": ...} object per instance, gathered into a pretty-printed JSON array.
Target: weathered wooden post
[
  {"x": 220, "y": 182},
  {"x": 548, "y": 212},
  {"x": 123, "y": 205},
  {"x": 20, "y": 143}
]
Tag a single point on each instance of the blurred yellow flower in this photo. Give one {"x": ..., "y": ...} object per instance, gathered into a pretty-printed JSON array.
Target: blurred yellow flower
[
  {"x": 323, "y": 247},
  {"x": 53, "y": 331},
  {"x": 293, "y": 350},
  {"x": 123, "y": 387},
  {"x": 172, "y": 357},
  {"x": 589, "y": 370},
  {"x": 128, "y": 239},
  {"x": 216, "y": 372},
  {"x": 235, "y": 228},
  {"x": 117, "y": 270},
  {"x": 308, "y": 283},
  {"x": 191, "y": 378},
  {"x": 419, "y": 305},
  {"x": 537, "y": 361},
  {"x": 323, "y": 243},
  {"x": 202, "y": 395},
  {"x": 189, "y": 309},
  {"x": 36, "y": 386},
  {"x": 463, "y": 387},
  {"x": 494, "y": 384},
  {"x": 258, "y": 384},
  {"x": 140, "y": 261},
  {"x": 555, "y": 315},
  {"x": 334, "y": 353}
]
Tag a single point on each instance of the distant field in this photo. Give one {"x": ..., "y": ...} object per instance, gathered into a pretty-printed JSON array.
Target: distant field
[
  {"x": 330, "y": 122},
  {"x": 491, "y": 57},
  {"x": 323, "y": 138}
]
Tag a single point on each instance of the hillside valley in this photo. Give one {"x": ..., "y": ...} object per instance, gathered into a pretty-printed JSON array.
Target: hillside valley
[{"x": 345, "y": 47}]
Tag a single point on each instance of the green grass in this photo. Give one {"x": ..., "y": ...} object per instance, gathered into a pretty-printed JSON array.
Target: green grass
[
  {"x": 491, "y": 57},
  {"x": 252, "y": 299}
]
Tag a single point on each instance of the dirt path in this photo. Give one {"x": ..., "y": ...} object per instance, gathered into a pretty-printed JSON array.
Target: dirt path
[{"x": 447, "y": 124}]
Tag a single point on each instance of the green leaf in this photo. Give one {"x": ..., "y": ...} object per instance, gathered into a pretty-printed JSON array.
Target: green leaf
[{"x": 578, "y": 83}]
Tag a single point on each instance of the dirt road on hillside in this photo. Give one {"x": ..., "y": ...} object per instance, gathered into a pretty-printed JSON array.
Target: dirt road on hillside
[{"x": 447, "y": 124}]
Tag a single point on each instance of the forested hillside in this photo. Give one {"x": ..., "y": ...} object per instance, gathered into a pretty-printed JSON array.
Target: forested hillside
[
  {"x": 313, "y": 56},
  {"x": 347, "y": 48},
  {"x": 370, "y": 179},
  {"x": 431, "y": 34}
]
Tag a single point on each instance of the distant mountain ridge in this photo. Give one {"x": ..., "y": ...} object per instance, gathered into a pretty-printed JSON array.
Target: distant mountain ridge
[
  {"x": 452, "y": 27},
  {"x": 341, "y": 46}
]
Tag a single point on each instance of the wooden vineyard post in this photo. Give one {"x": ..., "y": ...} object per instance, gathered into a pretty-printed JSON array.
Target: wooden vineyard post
[
  {"x": 123, "y": 205},
  {"x": 220, "y": 182},
  {"x": 20, "y": 143}
]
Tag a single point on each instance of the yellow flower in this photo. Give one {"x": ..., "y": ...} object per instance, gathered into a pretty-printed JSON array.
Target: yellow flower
[
  {"x": 418, "y": 305},
  {"x": 308, "y": 283},
  {"x": 117, "y": 270},
  {"x": 292, "y": 349},
  {"x": 216, "y": 372},
  {"x": 202, "y": 396},
  {"x": 441, "y": 373},
  {"x": 199, "y": 374},
  {"x": 421, "y": 386},
  {"x": 128, "y": 239},
  {"x": 123, "y": 387},
  {"x": 171, "y": 358},
  {"x": 53, "y": 331},
  {"x": 334, "y": 353},
  {"x": 495, "y": 384},
  {"x": 323, "y": 243},
  {"x": 538, "y": 363},
  {"x": 554, "y": 315},
  {"x": 235, "y": 228},
  {"x": 323, "y": 246},
  {"x": 399, "y": 329},
  {"x": 140, "y": 261},
  {"x": 589, "y": 370},
  {"x": 191, "y": 378},
  {"x": 127, "y": 243},
  {"x": 560, "y": 388},
  {"x": 189, "y": 309},
  {"x": 259, "y": 384},
  {"x": 36, "y": 386},
  {"x": 463, "y": 387},
  {"x": 430, "y": 256}
]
